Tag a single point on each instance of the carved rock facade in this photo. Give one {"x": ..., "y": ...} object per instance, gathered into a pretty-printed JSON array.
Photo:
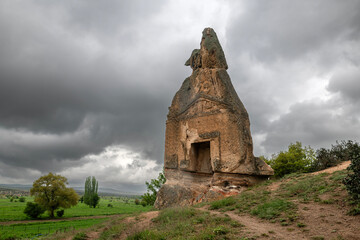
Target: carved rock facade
[{"x": 208, "y": 144}]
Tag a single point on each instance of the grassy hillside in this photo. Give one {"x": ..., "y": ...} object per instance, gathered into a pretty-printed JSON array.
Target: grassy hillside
[{"x": 298, "y": 206}]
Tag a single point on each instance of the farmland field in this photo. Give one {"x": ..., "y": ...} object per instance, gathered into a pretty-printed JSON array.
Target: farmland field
[
  {"x": 13, "y": 211},
  {"x": 30, "y": 230}
]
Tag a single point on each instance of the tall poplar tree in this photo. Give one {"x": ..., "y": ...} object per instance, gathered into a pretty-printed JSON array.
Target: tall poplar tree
[{"x": 91, "y": 196}]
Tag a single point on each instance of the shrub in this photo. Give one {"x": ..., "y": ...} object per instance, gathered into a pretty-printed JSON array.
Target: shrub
[
  {"x": 152, "y": 188},
  {"x": 60, "y": 213},
  {"x": 325, "y": 158},
  {"x": 22, "y": 199},
  {"x": 300, "y": 225},
  {"x": 352, "y": 180},
  {"x": 143, "y": 203},
  {"x": 33, "y": 210},
  {"x": 110, "y": 205},
  {"x": 220, "y": 230},
  {"x": 80, "y": 236},
  {"x": 338, "y": 153},
  {"x": 296, "y": 159},
  {"x": 342, "y": 151},
  {"x": 137, "y": 201}
]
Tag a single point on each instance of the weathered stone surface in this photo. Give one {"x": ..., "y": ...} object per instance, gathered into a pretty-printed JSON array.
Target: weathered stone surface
[{"x": 208, "y": 144}]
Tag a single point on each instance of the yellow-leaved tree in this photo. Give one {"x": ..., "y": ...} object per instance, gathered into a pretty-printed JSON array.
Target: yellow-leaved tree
[{"x": 51, "y": 193}]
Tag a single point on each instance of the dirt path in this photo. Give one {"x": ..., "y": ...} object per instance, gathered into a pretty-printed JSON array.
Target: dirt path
[
  {"x": 339, "y": 167},
  {"x": 322, "y": 221},
  {"x": 138, "y": 223},
  {"x": 263, "y": 229}
]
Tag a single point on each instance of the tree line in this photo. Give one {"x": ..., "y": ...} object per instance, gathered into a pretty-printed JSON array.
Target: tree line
[{"x": 304, "y": 159}]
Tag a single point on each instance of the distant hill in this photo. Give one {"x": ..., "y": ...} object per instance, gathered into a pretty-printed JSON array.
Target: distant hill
[{"x": 17, "y": 187}]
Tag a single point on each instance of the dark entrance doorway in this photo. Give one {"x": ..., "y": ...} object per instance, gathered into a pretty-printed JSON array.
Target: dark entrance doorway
[{"x": 200, "y": 157}]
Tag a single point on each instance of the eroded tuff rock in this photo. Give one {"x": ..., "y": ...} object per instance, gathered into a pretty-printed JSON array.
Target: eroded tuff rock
[{"x": 208, "y": 144}]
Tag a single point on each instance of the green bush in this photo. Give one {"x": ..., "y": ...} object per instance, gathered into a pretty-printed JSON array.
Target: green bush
[
  {"x": 22, "y": 199},
  {"x": 33, "y": 210},
  {"x": 343, "y": 150},
  {"x": 325, "y": 158},
  {"x": 152, "y": 188},
  {"x": 143, "y": 203},
  {"x": 352, "y": 180},
  {"x": 338, "y": 153},
  {"x": 60, "y": 213},
  {"x": 296, "y": 159},
  {"x": 80, "y": 236},
  {"x": 220, "y": 230}
]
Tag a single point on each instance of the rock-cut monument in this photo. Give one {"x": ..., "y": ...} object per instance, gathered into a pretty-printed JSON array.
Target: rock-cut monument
[{"x": 208, "y": 144}]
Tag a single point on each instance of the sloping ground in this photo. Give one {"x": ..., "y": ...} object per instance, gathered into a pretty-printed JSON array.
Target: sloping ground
[
  {"x": 339, "y": 167},
  {"x": 342, "y": 166},
  {"x": 299, "y": 206},
  {"x": 137, "y": 224}
]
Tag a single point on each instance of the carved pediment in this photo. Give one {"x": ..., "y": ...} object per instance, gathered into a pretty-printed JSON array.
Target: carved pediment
[{"x": 202, "y": 106}]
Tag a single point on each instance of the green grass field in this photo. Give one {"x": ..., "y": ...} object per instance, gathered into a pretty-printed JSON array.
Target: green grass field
[
  {"x": 31, "y": 230},
  {"x": 10, "y": 211}
]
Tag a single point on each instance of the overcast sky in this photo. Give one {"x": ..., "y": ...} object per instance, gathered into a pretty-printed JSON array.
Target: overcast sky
[{"x": 85, "y": 86}]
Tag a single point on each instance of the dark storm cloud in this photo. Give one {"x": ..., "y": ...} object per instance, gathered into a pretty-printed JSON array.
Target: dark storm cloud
[
  {"x": 292, "y": 29},
  {"x": 69, "y": 97},
  {"x": 82, "y": 78},
  {"x": 318, "y": 124},
  {"x": 283, "y": 53}
]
